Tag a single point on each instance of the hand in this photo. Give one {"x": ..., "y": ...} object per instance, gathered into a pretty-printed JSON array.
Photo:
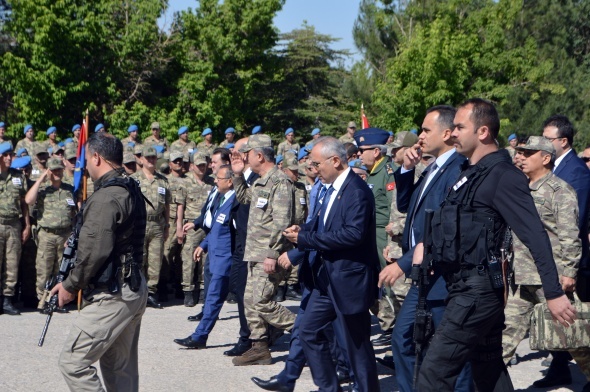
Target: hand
[
  {"x": 198, "y": 254},
  {"x": 389, "y": 229},
  {"x": 188, "y": 226},
  {"x": 270, "y": 265},
  {"x": 386, "y": 251},
  {"x": 284, "y": 261},
  {"x": 412, "y": 156},
  {"x": 562, "y": 310},
  {"x": 179, "y": 236},
  {"x": 26, "y": 234},
  {"x": 237, "y": 163},
  {"x": 389, "y": 275},
  {"x": 63, "y": 296},
  {"x": 568, "y": 284},
  {"x": 291, "y": 233},
  {"x": 45, "y": 174}
]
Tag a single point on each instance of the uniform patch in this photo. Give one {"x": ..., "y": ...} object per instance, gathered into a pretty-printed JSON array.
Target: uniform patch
[
  {"x": 391, "y": 186},
  {"x": 161, "y": 190},
  {"x": 460, "y": 183},
  {"x": 261, "y": 203},
  {"x": 302, "y": 201},
  {"x": 17, "y": 182},
  {"x": 220, "y": 218},
  {"x": 70, "y": 202}
]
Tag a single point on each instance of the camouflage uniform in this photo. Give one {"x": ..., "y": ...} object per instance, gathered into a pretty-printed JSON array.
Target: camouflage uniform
[
  {"x": 301, "y": 201},
  {"x": 179, "y": 145},
  {"x": 55, "y": 210},
  {"x": 206, "y": 149},
  {"x": 13, "y": 188},
  {"x": 286, "y": 146},
  {"x": 346, "y": 139},
  {"x": 158, "y": 193},
  {"x": 26, "y": 143},
  {"x": 172, "y": 248},
  {"x": 152, "y": 141},
  {"x": 271, "y": 211},
  {"x": 222, "y": 144},
  {"x": 557, "y": 204},
  {"x": 127, "y": 140}
]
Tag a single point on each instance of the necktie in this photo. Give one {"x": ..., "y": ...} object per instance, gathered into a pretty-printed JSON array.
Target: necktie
[
  {"x": 319, "y": 199},
  {"x": 423, "y": 186},
  {"x": 324, "y": 208}
]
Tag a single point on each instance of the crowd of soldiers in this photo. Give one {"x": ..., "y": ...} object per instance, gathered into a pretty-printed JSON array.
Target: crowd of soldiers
[{"x": 37, "y": 202}]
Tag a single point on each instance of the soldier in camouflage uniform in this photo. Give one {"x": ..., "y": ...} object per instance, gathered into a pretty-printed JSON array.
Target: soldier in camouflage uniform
[
  {"x": 289, "y": 144},
  {"x": 207, "y": 146},
  {"x": 69, "y": 164},
  {"x": 557, "y": 204},
  {"x": 51, "y": 141},
  {"x": 154, "y": 138},
  {"x": 183, "y": 144},
  {"x": 271, "y": 211},
  {"x": 348, "y": 137},
  {"x": 230, "y": 135},
  {"x": 3, "y": 137},
  {"x": 133, "y": 136},
  {"x": 154, "y": 187},
  {"x": 129, "y": 163},
  {"x": 29, "y": 140},
  {"x": 40, "y": 162},
  {"x": 13, "y": 212},
  {"x": 55, "y": 210}
]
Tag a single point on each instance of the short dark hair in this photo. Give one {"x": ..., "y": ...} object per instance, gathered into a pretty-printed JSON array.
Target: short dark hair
[
  {"x": 351, "y": 149},
  {"x": 230, "y": 172},
  {"x": 267, "y": 152},
  {"x": 446, "y": 115},
  {"x": 224, "y": 154},
  {"x": 483, "y": 113},
  {"x": 107, "y": 146},
  {"x": 564, "y": 127}
]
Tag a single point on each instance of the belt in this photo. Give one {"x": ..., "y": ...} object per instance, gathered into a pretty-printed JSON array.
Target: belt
[
  {"x": 56, "y": 231},
  {"x": 8, "y": 221},
  {"x": 466, "y": 272},
  {"x": 153, "y": 218}
]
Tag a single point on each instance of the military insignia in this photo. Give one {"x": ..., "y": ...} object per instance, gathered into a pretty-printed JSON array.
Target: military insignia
[
  {"x": 389, "y": 169},
  {"x": 460, "y": 183},
  {"x": 390, "y": 186},
  {"x": 362, "y": 139}
]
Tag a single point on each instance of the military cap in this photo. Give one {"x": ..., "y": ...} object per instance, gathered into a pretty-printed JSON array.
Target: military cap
[
  {"x": 98, "y": 127},
  {"x": 138, "y": 150},
  {"x": 149, "y": 151},
  {"x": 70, "y": 153},
  {"x": 22, "y": 151},
  {"x": 55, "y": 163},
  {"x": 292, "y": 163},
  {"x": 182, "y": 130},
  {"x": 256, "y": 129},
  {"x": 414, "y": 131},
  {"x": 41, "y": 149},
  {"x": 404, "y": 139},
  {"x": 538, "y": 143},
  {"x": 50, "y": 130},
  {"x": 198, "y": 159},
  {"x": 2, "y": 125},
  {"x": 58, "y": 148},
  {"x": 76, "y": 127},
  {"x": 27, "y": 127},
  {"x": 229, "y": 145},
  {"x": 68, "y": 141},
  {"x": 176, "y": 155},
  {"x": 358, "y": 164},
  {"x": 315, "y": 131},
  {"x": 5, "y": 147},
  {"x": 21, "y": 162},
  {"x": 165, "y": 154},
  {"x": 230, "y": 130},
  {"x": 128, "y": 157},
  {"x": 155, "y": 125},
  {"x": 206, "y": 132},
  {"x": 512, "y": 137},
  {"x": 162, "y": 165},
  {"x": 132, "y": 128},
  {"x": 351, "y": 124},
  {"x": 302, "y": 154},
  {"x": 279, "y": 159},
  {"x": 256, "y": 141},
  {"x": 371, "y": 137},
  {"x": 288, "y": 131}
]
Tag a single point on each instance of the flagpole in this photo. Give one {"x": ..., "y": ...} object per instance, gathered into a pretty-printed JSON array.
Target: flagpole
[
  {"x": 362, "y": 114},
  {"x": 85, "y": 175}
]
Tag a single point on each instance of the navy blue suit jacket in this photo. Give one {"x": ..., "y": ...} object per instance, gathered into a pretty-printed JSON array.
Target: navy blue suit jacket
[
  {"x": 347, "y": 246},
  {"x": 408, "y": 193},
  {"x": 574, "y": 171},
  {"x": 221, "y": 238}
]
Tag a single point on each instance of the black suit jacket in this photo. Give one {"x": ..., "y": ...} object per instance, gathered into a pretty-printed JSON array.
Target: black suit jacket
[{"x": 348, "y": 246}]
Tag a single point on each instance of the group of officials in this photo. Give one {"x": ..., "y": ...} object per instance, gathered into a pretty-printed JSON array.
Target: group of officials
[{"x": 347, "y": 216}]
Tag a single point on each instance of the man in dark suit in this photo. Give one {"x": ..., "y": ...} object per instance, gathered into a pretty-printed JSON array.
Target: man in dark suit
[
  {"x": 570, "y": 168},
  {"x": 343, "y": 236},
  {"x": 414, "y": 198}
]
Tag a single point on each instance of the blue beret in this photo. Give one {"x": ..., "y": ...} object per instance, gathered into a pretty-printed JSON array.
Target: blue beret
[
  {"x": 27, "y": 127},
  {"x": 50, "y": 150},
  {"x": 279, "y": 159},
  {"x": 21, "y": 151},
  {"x": 206, "y": 132},
  {"x": 132, "y": 128},
  {"x": 288, "y": 131},
  {"x": 76, "y": 127},
  {"x": 5, "y": 147},
  {"x": 302, "y": 154},
  {"x": 61, "y": 144},
  {"x": 414, "y": 131},
  {"x": 21, "y": 163},
  {"x": 256, "y": 129},
  {"x": 390, "y": 133},
  {"x": 511, "y": 137},
  {"x": 68, "y": 141},
  {"x": 229, "y": 145},
  {"x": 131, "y": 144},
  {"x": 357, "y": 163},
  {"x": 2, "y": 125},
  {"x": 98, "y": 127},
  {"x": 182, "y": 130},
  {"x": 159, "y": 148},
  {"x": 371, "y": 137},
  {"x": 51, "y": 130},
  {"x": 315, "y": 131},
  {"x": 230, "y": 130}
]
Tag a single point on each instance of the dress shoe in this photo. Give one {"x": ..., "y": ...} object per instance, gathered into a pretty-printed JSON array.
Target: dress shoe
[
  {"x": 280, "y": 295},
  {"x": 151, "y": 302},
  {"x": 272, "y": 385},
  {"x": 9, "y": 308},
  {"x": 343, "y": 378},
  {"x": 163, "y": 296},
  {"x": 386, "y": 361},
  {"x": 196, "y": 317},
  {"x": 554, "y": 378},
  {"x": 190, "y": 343},
  {"x": 259, "y": 354},
  {"x": 231, "y": 298},
  {"x": 383, "y": 340},
  {"x": 292, "y": 293},
  {"x": 189, "y": 299},
  {"x": 239, "y": 349}
]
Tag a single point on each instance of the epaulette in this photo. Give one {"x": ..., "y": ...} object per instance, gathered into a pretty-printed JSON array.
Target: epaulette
[
  {"x": 389, "y": 169},
  {"x": 554, "y": 184}
]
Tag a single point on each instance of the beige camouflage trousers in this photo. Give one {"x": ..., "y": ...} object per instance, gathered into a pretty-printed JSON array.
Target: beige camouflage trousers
[
  {"x": 192, "y": 241},
  {"x": 10, "y": 248},
  {"x": 153, "y": 250},
  {"x": 259, "y": 305},
  {"x": 50, "y": 249}
]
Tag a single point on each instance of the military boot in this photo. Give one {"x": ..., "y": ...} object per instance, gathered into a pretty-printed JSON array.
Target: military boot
[
  {"x": 259, "y": 354},
  {"x": 8, "y": 307},
  {"x": 189, "y": 299},
  {"x": 280, "y": 295}
]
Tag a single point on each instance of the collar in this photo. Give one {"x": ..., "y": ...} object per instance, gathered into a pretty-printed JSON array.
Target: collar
[
  {"x": 442, "y": 159},
  {"x": 107, "y": 176},
  {"x": 376, "y": 166},
  {"x": 227, "y": 195},
  {"x": 264, "y": 180},
  {"x": 339, "y": 181},
  {"x": 247, "y": 172},
  {"x": 537, "y": 184},
  {"x": 560, "y": 159}
]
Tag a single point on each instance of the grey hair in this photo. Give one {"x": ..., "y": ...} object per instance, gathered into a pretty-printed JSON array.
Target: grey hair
[
  {"x": 267, "y": 152},
  {"x": 330, "y": 146}
]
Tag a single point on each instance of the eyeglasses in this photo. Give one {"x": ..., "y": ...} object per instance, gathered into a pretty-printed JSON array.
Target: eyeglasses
[
  {"x": 586, "y": 159},
  {"x": 315, "y": 165},
  {"x": 363, "y": 149},
  {"x": 223, "y": 178},
  {"x": 553, "y": 138}
]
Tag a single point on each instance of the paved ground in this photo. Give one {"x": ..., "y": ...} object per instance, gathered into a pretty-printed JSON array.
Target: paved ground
[{"x": 164, "y": 366}]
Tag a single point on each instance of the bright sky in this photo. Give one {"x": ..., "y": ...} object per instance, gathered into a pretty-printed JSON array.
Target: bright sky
[{"x": 332, "y": 17}]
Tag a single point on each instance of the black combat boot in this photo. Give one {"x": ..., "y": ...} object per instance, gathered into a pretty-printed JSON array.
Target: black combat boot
[
  {"x": 280, "y": 295},
  {"x": 8, "y": 307},
  {"x": 189, "y": 299}
]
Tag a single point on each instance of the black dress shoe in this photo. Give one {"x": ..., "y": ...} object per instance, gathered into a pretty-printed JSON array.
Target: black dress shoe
[
  {"x": 292, "y": 293},
  {"x": 386, "y": 361},
  {"x": 196, "y": 317},
  {"x": 151, "y": 302},
  {"x": 190, "y": 343},
  {"x": 272, "y": 385},
  {"x": 239, "y": 349},
  {"x": 554, "y": 379},
  {"x": 343, "y": 378},
  {"x": 383, "y": 340}
]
